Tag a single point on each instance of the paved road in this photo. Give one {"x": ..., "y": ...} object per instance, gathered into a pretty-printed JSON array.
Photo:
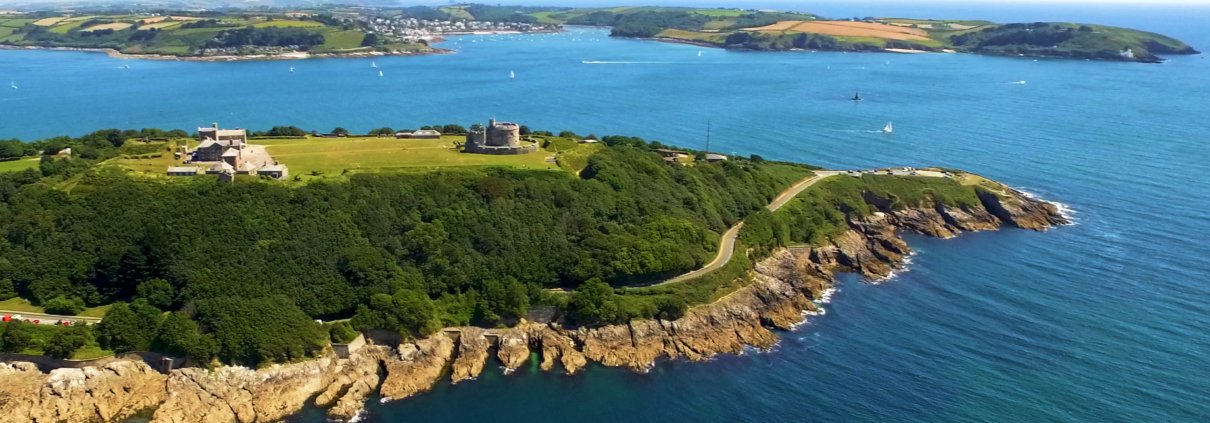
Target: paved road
[
  {"x": 726, "y": 246},
  {"x": 49, "y": 319}
]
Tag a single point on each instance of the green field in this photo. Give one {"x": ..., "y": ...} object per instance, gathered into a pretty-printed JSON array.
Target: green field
[
  {"x": 19, "y": 165},
  {"x": 333, "y": 157},
  {"x": 288, "y": 24},
  {"x": 175, "y": 37}
]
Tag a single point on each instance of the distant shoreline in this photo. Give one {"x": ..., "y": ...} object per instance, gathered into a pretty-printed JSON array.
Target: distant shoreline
[{"x": 297, "y": 55}]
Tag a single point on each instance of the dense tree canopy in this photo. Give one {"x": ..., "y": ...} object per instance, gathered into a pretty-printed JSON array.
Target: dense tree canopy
[{"x": 249, "y": 266}]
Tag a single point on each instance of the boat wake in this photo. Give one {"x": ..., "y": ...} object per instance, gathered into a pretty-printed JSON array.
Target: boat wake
[
  {"x": 1016, "y": 83},
  {"x": 625, "y": 62}
]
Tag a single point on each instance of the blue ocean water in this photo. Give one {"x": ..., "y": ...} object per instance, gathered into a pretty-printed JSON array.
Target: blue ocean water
[{"x": 1105, "y": 320}]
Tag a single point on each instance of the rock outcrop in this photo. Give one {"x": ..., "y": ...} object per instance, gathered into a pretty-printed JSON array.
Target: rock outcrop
[
  {"x": 108, "y": 393},
  {"x": 472, "y": 354},
  {"x": 416, "y": 366},
  {"x": 513, "y": 348},
  {"x": 783, "y": 286}
]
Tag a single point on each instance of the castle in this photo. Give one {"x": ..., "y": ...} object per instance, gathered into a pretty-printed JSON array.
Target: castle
[{"x": 497, "y": 138}]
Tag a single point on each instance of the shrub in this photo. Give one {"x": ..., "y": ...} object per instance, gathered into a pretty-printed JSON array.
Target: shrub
[{"x": 64, "y": 305}]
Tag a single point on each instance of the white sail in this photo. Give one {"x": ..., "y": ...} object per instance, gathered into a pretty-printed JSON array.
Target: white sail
[
  {"x": 512, "y": 75},
  {"x": 373, "y": 64},
  {"x": 379, "y": 74},
  {"x": 12, "y": 84},
  {"x": 291, "y": 69},
  {"x": 699, "y": 53},
  {"x": 888, "y": 128}
]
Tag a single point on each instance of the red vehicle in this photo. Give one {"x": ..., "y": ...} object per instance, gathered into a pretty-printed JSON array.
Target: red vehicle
[
  {"x": 6, "y": 318},
  {"x": 36, "y": 321},
  {"x": 66, "y": 322}
]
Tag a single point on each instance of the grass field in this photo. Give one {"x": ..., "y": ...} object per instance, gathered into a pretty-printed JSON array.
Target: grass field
[
  {"x": 21, "y": 305},
  {"x": 720, "y": 13},
  {"x": 288, "y": 24},
  {"x": 680, "y": 34},
  {"x": 19, "y": 165},
  {"x": 333, "y": 157},
  {"x": 341, "y": 40}
]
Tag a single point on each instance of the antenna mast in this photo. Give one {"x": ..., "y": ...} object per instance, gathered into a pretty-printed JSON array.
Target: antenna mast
[{"x": 707, "y": 136}]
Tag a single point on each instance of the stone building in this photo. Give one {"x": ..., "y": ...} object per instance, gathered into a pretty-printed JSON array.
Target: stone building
[
  {"x": 497, "y": 138},
  {"x": 220, "y": 145}
]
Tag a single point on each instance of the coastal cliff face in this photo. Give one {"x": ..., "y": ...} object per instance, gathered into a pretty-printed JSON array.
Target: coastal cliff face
[
  {"x": 107, "y": 393},
  {"x": 785, "y": 287}
]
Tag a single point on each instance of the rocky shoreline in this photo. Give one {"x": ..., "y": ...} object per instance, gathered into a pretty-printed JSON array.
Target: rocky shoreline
[
  {"x": 300, "y": 55},
  {"x": 784, "y": 288}
]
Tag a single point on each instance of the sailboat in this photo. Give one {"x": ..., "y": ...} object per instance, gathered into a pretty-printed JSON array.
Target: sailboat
[
  {"x": 380, "y": 74},
  {"x": 373, "y": 64},
  {"x": 699, "y": 53},
  {"x": 888, "y": 128},
  {"x": 512, "y": 75},
  {"x": 857, "y": 96},
  {"x": 12, "y": 84},
  {"x": 291, "y": 69}
]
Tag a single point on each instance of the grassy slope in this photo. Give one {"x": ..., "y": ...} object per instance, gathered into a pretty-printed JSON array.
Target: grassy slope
[
  {"x": 173, "y": 40},
  {"x": 19, "y": 165}
]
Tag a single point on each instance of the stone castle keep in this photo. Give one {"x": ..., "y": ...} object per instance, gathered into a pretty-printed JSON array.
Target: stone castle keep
[{"x": 497, "y": 138}]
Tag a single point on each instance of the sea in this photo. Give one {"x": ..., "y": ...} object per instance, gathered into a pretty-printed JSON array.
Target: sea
[{"x": 1104, "y": 320}]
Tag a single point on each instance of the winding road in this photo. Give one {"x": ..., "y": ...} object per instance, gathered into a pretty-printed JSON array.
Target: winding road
[{"x": 726, "y": 247}]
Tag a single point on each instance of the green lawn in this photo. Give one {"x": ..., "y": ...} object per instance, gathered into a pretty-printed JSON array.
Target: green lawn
[
  {"x": 21, "y": 305},
  {"x": 341, "y": 40},
  {"x": 333, "y": 157},
  {"x": 19, "y": 165}
]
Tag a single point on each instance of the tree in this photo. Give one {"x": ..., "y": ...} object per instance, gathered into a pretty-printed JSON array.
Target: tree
[
  {"x": 671, "y": 308},
  {"x": 64, "y": 305},
  {"x": 340, "y": 132},
  {"x": 179, "y": 335},
  {"x": 17, "y": 337},
  {"x": 66, "y": 341},
  {"x": 129, "y": 327},
  {"x": 157, "y": 292},
  {"x": 370, "y": 40},
  {"x": 7, "y": 289},
  {"x": 592, "y": 303},
  {"x": 342, "y": 332},
  {"x": 453, "y": 129}
]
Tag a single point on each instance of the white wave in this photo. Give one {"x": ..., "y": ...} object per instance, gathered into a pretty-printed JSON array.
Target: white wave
[
  {"x": 825, "y": 296},
  {"x": 1064, "y": 209},
  {"x": 1017, "y": 83},
  {"x": 359, "y": 416}
]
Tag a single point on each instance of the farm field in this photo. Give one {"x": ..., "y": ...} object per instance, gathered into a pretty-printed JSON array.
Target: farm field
[{"x": 849, "y": 29}]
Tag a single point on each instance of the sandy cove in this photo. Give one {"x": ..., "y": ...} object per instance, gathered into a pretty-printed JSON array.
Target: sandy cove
[{"x": 785, "y": 287}]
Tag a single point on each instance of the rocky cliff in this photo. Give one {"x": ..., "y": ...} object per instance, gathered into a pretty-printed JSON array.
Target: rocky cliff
[{"x": 783, "y": 287}]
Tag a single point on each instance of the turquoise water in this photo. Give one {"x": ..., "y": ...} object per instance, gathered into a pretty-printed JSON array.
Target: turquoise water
[{"x": 1105, "y": 320}]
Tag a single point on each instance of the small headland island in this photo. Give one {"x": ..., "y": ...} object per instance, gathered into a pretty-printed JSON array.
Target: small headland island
[
  {"x": 234, "y": 275},
  {"x": 781, "y": 31},
  {"x": 338, "y": 31}
]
